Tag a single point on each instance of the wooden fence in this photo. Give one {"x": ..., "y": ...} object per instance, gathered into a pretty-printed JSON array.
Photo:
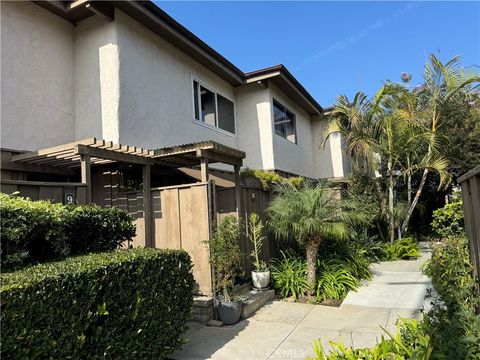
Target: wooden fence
[
  {"x": 57, "y": 192},
  {"x": 470, "y": 183}
]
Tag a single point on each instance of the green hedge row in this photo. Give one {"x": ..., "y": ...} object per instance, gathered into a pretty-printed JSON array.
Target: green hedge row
[
  {"x": 126, "y": 304},
  {"x": 35, "y": 231}
]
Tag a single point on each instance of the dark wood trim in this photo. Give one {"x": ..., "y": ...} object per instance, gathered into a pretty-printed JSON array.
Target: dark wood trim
[
  {"x": 37, "y": 168},
  {"x": 42, "y": 183}
]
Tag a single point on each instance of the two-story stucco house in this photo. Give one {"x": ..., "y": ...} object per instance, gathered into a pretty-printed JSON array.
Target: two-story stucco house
[{"x": 128, "y": 73}]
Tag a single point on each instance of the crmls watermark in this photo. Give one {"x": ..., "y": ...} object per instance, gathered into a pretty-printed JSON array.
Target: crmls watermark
[{"x": 293, "y": 353}]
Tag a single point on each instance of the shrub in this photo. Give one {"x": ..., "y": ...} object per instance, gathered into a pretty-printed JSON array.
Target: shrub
[
  {"x": 335, "y": 280},
  {"x": 117, "y": 305},
  {"x": 225, "y": 255},
  {"x": 37, "y": 231},
  {"x": 403, "y": 249},
  {"x": 289, "y": 275},
  {"x": 267, "y": 178},
  {"x": 31, "y": 229},
  {"x": 410, "y": 342},
  {"x": 448, "y": 220},
  {"x": 370, "y": 245},
  {"x": 93, "y": 229},
  {"x": 452, "y": 321}
]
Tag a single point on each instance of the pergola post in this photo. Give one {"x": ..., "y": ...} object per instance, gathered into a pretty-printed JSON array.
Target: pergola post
[
  {"x": 147, "y": 206},
  {"x": 238, "y": 189},
  {"x": 204, "y": 169},
  {"x": 86, "y": 176}
]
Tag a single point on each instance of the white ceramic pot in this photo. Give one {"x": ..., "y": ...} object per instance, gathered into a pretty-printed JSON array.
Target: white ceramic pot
[{"x": 260, "y": 279}]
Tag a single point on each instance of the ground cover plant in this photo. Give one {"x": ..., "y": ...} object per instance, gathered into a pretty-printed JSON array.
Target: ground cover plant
[
  {"x": 409, "y": 342},
  {"x": 404, "y": 249},
  {"x": 116, "y": 305},
  {"x": 37, "y": 231}
]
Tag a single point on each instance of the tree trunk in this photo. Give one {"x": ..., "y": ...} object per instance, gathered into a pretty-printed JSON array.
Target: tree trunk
[
  {"x": 312, "y": 254},
  {"x": 415, "y": 201},
  {"x": 409, "y": 189},
  {"x": 390, "y": 202}
]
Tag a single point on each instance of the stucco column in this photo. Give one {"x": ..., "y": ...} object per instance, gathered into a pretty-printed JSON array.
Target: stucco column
[
  {"x": 204, "y": 169},
  {"x": 86, "y": 176}
]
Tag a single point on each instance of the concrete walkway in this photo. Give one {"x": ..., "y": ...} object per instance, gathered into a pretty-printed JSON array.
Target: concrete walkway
[{"x": 285, "y": 330}]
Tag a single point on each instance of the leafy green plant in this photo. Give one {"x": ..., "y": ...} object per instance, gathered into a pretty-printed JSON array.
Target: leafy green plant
[
  {"x": 255, "y": 234},
  {"x": 113, "y": 305},
  {"x": 32, "y": 230},
  {"x": 309, "y": 215},
  {"x": 225, "y": 255},
  {"x": 370, "y": 245},
  {"x": 452, "y": 321},
  {"x": 409, "y": 342},
  {"x": 92, "y": 228},
  {"x": 448, "y": 220},
  {"x": 403, "y": 249},
  {"x": 335, "y": 280},
  {"x": 268, "y": 178},
  {"x": 37, "y": 231},
  {"x": 289, "y": 275}
]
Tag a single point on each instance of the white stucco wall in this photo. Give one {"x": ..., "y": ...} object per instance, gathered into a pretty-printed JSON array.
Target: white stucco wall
[
  {"x": 156, "y": 107},
  {"x": 97, "y": 87},
  {"x": 37, "y": 84}
]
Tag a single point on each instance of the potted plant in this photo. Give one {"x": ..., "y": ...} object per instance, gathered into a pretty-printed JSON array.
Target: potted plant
[
  {"x": 226, "y": 259},
  {"x": 261, "y": 274}
]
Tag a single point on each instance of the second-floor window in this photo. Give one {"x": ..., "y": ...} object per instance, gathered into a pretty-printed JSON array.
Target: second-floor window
[
  {"x": 284, "y": 121},
  {"x": 212, "y": 108}
]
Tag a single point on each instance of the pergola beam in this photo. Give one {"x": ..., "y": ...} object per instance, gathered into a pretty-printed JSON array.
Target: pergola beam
[{"x": 113, "y": 155}]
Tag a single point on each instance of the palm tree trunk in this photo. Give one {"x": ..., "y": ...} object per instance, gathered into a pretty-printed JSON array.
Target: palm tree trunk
[
  {"x": 312, "y": 253},
  {"x": 409, "y": 189},
  {"x": 415, "y": 201},
  {"x": 390, "y": 202}
]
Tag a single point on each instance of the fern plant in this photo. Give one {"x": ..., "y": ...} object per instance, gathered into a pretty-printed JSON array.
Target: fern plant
[{"x": 403, "y": 249}]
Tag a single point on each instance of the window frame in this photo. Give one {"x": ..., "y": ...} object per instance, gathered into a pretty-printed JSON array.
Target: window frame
[
  {"x": 287, "y": 109},
  {"x": 216, "y": 92}
]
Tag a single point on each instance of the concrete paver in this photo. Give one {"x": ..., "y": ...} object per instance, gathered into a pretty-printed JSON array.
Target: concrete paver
[{"x": 286, "y": 330}]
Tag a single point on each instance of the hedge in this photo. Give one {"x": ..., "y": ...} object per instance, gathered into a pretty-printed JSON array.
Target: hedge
[
  {"x": 36, "y": 231},
  {"x": 126, "y": 304}
]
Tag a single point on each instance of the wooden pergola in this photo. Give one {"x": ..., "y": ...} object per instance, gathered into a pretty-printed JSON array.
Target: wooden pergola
[{"x": 85, "y": 153}]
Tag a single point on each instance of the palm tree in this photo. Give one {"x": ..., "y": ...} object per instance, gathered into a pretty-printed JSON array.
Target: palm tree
[
  {"x": 442, "y": 83},
  {"x": 309, "y": 214}
]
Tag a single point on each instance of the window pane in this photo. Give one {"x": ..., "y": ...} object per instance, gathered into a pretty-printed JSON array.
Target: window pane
[
  {"x": 226, "y": 118},
  {"x": 284, "y": 122},
  {"x": 195, "y": 100},
  {"x": 290, "y": 127},
  {"x": 207, "y": 100},
  {"x": 279, "y": 119}
]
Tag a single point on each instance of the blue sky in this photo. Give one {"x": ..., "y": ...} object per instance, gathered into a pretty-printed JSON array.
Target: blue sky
[{"x": 335, "y": 48}]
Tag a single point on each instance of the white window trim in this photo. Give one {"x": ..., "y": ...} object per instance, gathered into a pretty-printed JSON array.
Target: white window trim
[
  {"x": 215, "y": 91},
  {"x": 273, "y": 121}
]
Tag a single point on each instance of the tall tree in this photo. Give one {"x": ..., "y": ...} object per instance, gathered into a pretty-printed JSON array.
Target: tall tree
[{"x": 443, "y": 85}]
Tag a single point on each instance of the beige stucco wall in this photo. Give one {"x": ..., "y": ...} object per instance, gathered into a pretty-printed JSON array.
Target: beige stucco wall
[
  {"x": 294, "y": 158},
  {"x": 37, "y": 86},
  {"x": 97, "y": 87},
  {"x": 255, "y": 126},
  {"x": 156, "y": 106}
]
